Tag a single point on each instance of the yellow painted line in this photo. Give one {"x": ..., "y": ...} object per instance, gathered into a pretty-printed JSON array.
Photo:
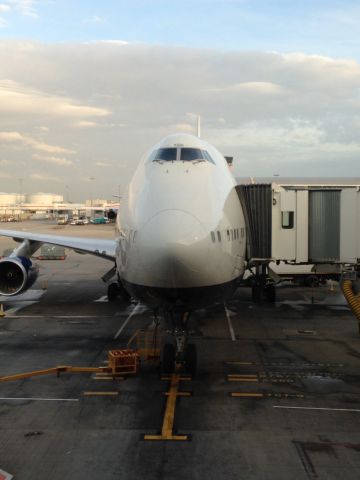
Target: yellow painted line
[
  {"x": 169, "y": 437},
  {"x": 169, "y": 415},
  {"x": 181, "y": 377},
  {"x": 178, "y": 394},
  {"x": 247, "y": 395},
  {"x": 240, "y": 363},
  {"x": 88, "y": 394},
  {"x": 108, "y": 378},
  {"x": 239, "y": 379}
]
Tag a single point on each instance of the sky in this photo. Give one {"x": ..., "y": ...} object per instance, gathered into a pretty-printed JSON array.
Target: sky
[{"x": 86, "y": 87}]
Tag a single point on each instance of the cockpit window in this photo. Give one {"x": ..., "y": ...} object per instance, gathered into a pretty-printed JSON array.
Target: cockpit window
[
  {"x": 208, "y": 157},
  {"x": 165, "y": 154},
  {"x": 190, "y": 154},
  {"x": 185, "y": 155}
]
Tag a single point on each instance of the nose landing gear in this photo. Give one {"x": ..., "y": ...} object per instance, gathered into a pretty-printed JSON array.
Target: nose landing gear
[{"x": 182, "y": 352}]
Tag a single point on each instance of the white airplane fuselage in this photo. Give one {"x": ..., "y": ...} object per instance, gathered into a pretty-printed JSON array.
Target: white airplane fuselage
[{"x": 181, "y": 227}]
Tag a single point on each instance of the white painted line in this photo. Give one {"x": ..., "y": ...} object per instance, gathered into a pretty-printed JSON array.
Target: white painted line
[
  {"x": 102, "y": 299},
  {"x": 13, "y": 310},
  {"x": 59, "y": 316},
  {"x": 5, "y": 475},
  {"x": 231, "y": 329},
  {"x": 319, "y": 408},
  {"x": 40, "y": 399},
  {"x": 133, "y": 312}
]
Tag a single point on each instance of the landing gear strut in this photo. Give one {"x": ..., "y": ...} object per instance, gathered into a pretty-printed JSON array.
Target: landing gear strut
[{"x": 182, "y": 353}]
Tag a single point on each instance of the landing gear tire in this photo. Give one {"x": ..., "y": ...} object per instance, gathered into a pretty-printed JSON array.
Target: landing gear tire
[
  {"x": 113, "y": 292},
  {"x": 168, "y": 359},
  {"x": 191, "y": 359},
  {"x": 256, "y": 293},
  {"x": 270, "y": 293},
  {"x": 117, "y": 292}
]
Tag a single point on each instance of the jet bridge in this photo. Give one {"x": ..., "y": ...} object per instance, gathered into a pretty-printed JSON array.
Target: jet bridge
[
  {"x": 317, "y": 225},
  {"x": 314, "y": 225}
]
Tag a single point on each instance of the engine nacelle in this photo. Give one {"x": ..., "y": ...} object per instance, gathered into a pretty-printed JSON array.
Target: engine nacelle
[{"x": 17, "y": 274}]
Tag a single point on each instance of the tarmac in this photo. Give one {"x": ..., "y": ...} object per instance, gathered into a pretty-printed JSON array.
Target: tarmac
[{"x": 296, "y": 364}]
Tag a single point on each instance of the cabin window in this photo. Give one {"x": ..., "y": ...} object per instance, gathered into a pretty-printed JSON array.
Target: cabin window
[
  {"x": 213, "y": 237},
  {"x": 242, "y": 232},
  {"x": 228, "y": 235},
  {"x": 287, "y": 220},
  {"x": 219, "y": 236},
  {"x": 232, "y": 234},
  {"x": 134, "y": 236}
]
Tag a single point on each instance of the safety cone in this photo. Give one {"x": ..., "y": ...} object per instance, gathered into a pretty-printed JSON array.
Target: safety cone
[
  {"x": 2, "y": 313},
  {"x": 331, "y": 289}
]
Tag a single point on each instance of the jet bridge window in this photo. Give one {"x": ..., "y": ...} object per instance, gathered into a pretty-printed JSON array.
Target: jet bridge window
[
  {"x": 287, "y": 220},
  {"x": 164, "y": 154}
]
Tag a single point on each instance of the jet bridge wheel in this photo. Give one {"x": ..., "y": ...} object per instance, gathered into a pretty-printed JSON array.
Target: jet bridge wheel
[
  {"x": 270, "y": 293},
  {"x": 256, "y": 291},
  {"x": 168, "y": 358},
  {"x": 190, "y": 359}
]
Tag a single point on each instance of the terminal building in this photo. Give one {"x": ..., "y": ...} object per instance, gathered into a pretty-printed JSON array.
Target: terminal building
[{"x": 15, "y": 206}]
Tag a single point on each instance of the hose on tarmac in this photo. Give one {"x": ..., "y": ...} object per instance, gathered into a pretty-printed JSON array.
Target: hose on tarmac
[{"x": 352, "y": 298}]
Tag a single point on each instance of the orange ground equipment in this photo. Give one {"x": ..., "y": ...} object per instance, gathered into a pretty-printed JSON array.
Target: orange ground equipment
[{"x": 120, "y": 362}]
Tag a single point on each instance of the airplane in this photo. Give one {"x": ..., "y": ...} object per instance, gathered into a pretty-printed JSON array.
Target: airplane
[{"x": 180, "y": 240}]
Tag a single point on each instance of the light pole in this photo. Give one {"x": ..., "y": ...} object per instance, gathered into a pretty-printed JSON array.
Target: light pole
[
  {"x": 20, "y": 193},
  {"x": 91, "y": 198}
]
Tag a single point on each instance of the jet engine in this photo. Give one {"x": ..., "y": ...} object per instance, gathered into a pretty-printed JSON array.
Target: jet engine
[{"x": 17, "y": 274}]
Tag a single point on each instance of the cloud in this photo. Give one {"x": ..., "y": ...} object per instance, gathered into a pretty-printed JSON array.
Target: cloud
[
  {"x": 4, "y": 7},
  {"x": 184, "y": 127},
  {"x": 265, "y": 88},
  {"x": 94, "y": 19},
  {"x": 20, "y": 100},
  {"x": 115, "y": 42},
  {"x": 103, "y": 164},
  {"x": 19, "y": 138},
  {"x": 53, "y": 160},
  {"x": 25, "y": 7},
  {"x": 85, "y": 124},
  {"x": 44, "y": 177},
  {"x": 3, "y": 22},
  {"x": 110, "y": 103}
]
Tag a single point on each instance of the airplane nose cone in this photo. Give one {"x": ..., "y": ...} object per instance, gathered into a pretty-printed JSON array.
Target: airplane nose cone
[{"x": 173, "y": 248}]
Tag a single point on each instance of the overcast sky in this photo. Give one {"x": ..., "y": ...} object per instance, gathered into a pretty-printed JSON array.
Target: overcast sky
[{"x": 86, "y": 87}]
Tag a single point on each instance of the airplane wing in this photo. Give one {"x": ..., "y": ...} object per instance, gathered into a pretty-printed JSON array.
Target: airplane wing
[{"x": 95, "y": 246}]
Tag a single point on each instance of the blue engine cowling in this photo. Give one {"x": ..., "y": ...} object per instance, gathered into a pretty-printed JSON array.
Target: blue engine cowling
[{"x": 17, "y": 274}]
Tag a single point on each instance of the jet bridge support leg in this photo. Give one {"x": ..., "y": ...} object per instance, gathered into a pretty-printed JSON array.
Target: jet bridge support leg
[{"x": 261, "y": 287}]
